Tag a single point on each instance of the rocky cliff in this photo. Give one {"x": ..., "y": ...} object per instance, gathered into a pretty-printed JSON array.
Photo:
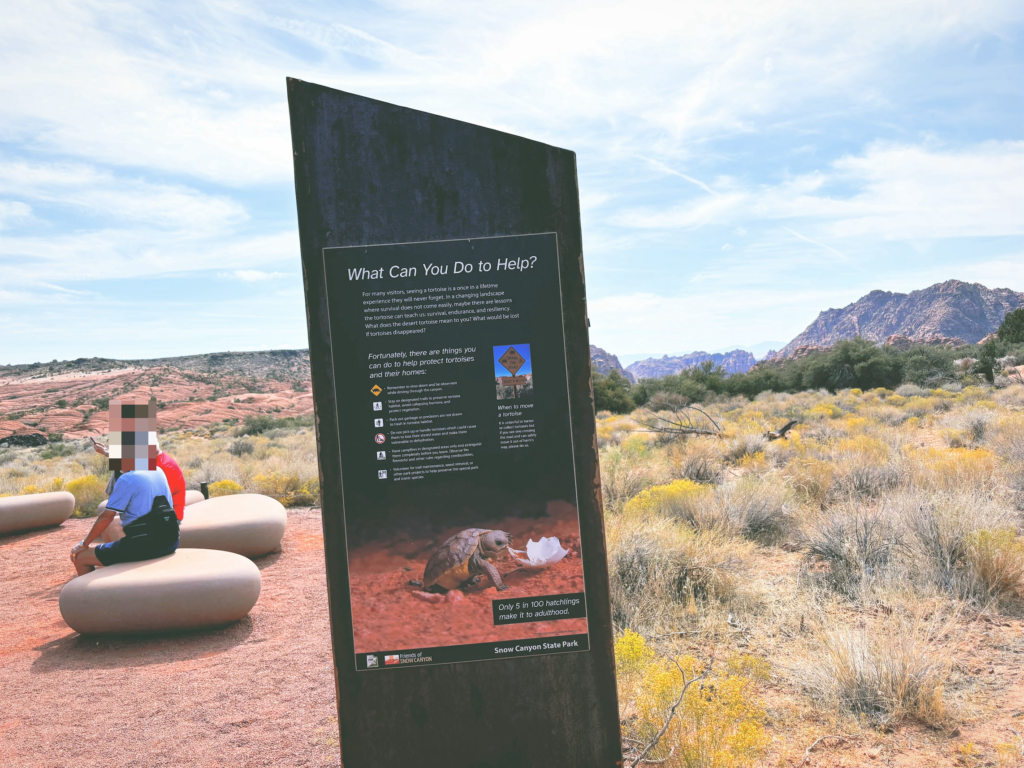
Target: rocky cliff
[
  {"x": 737, "y": 361},
  {"x": 604, "y": 363},
  {"x": 943, "y": 313}
]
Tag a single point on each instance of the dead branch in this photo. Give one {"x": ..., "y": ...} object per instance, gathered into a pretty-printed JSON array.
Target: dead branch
[
  {"x": 685, "y": 420},
  {"x": 807, "y": 753},
  {"x": 642, "y": 757}
]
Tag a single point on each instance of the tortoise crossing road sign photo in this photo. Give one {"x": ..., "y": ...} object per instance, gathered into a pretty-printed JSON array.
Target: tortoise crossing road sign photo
[{"x": 512, "y": 360}]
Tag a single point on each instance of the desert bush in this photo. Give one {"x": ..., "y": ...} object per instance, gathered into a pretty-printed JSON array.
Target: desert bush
[
  {"x": 996, "y": 562},
  {"x": 88, "y": 491},
  {"x": 697, "y": 460},
  {"x": 627, "y": 469},
  {"x": 224, "y": 488},
  {"x": 289, "y": 489},
  {"x": 887, "y": 674},
  {"x": 719, "y": 722},
  {"x": 241, "y": 448},
  {"x": 659, "y": 565},
  {"x": 745, "y": 445},
  {"x": 856, "y": 545},
  {"x": 911, "y": 390},
  {"x": 861, "y": 479},
  {"x": 755, "y": 507},
  {"x": 54, "y": 450},
  {"x": 680, "y": 498},
  {"x": 812, "y": 479},
  {"x": 943, "y": 531}
]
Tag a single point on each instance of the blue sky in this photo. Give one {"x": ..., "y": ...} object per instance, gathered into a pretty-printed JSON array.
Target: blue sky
[{"x": 742, "y": 165}]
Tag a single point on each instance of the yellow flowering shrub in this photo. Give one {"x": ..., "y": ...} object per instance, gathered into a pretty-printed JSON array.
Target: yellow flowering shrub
[
  {"x": 719, "y": 723},
  {"x": 289, "y": 489},
  {"x": 88, "y": 491},
  {"x": 823, "y": 411},
  {"x": 224, "y": 488},
  {"x": 677, "y": 497}
]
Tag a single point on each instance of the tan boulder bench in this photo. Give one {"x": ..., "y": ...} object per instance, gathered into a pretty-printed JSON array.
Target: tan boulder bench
[
  {"x": 191, "y": 497},
  {"x": 36, "y": 510},
  {"x": 188, "y": 589},
  {"x": 247, "y": 524}
]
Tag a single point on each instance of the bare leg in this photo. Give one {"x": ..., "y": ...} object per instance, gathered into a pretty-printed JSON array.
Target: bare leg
[
  {"x": 114, "y": 531},
  {"x": 495, "y": 576},
  {"x": 86, "y": 561}
]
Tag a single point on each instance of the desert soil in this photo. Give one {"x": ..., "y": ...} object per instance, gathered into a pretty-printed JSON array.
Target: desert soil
[{"x": 257, "y": 693}]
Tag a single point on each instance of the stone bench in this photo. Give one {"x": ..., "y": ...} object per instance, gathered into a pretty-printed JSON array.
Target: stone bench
[
  {"x": 188, "y": 589},
  {"x": 247, "y": 524},
  {"x": 36, "y": 510}
]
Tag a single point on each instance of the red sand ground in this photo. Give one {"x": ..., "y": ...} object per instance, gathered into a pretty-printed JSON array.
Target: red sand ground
[
  {"x": 257, "y": 693},
  {"x": 391, "y": 615}
]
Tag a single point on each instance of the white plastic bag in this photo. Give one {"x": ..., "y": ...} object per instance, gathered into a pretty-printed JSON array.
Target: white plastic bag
[{"x": 540, "y": 554}]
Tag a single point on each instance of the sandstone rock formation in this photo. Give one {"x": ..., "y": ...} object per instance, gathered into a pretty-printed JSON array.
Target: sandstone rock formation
[
  {"x": 604, "y": 363},
  {"x": 946, "y": 313},
  {"x": 70, "y": 398}
]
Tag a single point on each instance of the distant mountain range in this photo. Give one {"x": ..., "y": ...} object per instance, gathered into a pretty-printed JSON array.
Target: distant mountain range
[
  {"x": 737, "y": 361},
  {"x": 952, "y": 313}
]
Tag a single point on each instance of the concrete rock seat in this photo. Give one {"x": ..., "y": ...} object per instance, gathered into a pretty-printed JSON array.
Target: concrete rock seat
[
  {"x": 247, "y": 524},
  {"x": 36, "y": 510},
  {"x": 188, "y": 589}
]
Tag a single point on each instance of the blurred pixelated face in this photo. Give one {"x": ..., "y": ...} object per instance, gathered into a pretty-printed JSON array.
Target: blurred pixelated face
[{"x": 133, "y": 443}]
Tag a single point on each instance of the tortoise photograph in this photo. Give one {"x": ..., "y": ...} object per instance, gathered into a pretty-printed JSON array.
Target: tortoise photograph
[
  {"x": 464, "y": 559},
  {"x": 424, "y": 589}
]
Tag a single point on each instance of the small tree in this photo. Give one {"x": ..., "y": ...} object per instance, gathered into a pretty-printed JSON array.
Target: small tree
[
  {"x": 1011, "y": 330},
  {"x": 611, "y": 393}
]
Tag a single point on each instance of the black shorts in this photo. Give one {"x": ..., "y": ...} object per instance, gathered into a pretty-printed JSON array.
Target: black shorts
[{"x": 131, "y": 550}]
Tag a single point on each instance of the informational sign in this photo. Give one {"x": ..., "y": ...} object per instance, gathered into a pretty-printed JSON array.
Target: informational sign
[
  {"x": 460, "y": 488},
  {"x": 441, "y": 527}
]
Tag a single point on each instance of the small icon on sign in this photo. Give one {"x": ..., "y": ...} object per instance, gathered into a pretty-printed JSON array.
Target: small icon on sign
[
  {"x": 371, "y": 660},
  {"x": 378, "y": 422},
  {"x": 376, "y": 390},
  {"x": 390, "y": 659},
  {"x": 382, "y": 474},
  {"x": 379, "y": 437},
  {"x": 381, "y": 455},
  {"x": 378, "y": 405}
]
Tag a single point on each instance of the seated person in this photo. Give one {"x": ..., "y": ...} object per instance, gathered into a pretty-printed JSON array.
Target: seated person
[{"x": 150, "y": 526}]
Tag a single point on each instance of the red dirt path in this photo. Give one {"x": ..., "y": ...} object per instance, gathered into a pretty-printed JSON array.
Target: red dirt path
[{"x": 257, "y": 693}]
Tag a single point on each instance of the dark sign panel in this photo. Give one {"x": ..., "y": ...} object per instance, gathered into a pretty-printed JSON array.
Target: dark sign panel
[
  {"x": 473, "y": 505},
  {"x": 444, "y": 283}
]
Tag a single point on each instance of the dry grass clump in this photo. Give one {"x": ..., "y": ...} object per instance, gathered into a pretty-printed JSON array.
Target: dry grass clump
[
  {"x": 887, "y": 673},
  {"x": 996, "y": 562},
  {"x": 698, "y": 459},
  {"x": 719, "y": 722},
  {"x": 659, "y": 567},
  {"x": 856, "y": 546},
  {"x": 629, "y": 468}
]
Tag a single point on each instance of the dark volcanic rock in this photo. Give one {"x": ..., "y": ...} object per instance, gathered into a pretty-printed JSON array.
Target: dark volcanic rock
[
  {"x": 604, "y": 363},
  {"x": 946, "y": 313},
  {"x": 737, "y": 361},
  {"x": 32, "y": 440}
]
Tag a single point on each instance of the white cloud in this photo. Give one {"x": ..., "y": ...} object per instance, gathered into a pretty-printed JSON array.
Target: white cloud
[
  {"x": 108, "y": 197},
  {"x": 255, "y": 275},
  {"x": 13, "y": 210}
]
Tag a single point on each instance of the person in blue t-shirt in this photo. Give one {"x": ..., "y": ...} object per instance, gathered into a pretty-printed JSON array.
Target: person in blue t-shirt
[{"x": 149, "y": 530}]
